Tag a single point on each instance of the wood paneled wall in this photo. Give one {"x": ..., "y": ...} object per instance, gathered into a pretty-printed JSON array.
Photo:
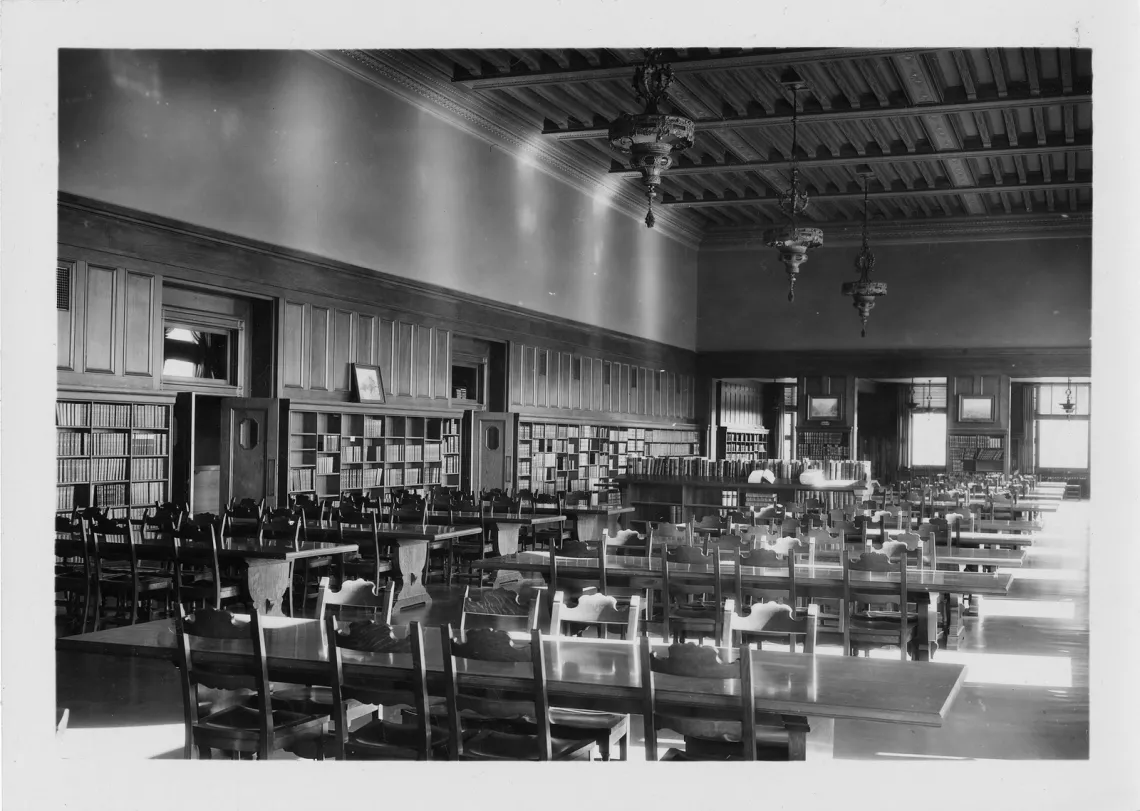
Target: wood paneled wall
[
  {"x": 545, "y": 381},
  {"x": 741, "y": 404},
  {"x": 997, "y": 386},
  {"x": 109, "y": 335},
  {"x": 841, "y": 387},
  {"x": 320, "y": 342}
]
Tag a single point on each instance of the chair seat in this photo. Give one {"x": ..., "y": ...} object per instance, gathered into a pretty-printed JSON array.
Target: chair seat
[
  {"x": 244, "y": 718},
  {"x": 584, "y": 719},
  {"x": 489, "y": 744},
  {"x": 122, "y": 581}
]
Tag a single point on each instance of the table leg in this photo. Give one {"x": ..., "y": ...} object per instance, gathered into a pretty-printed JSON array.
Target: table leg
[
  {"x": 954, "y": 625},
  {"x": 506, "y": 543},
  {"x": 268, "y": 581},
  {"x": 927, "y": 603},
  {"x": 411, "y": 561},
  {"x": 590, "y": 527}
]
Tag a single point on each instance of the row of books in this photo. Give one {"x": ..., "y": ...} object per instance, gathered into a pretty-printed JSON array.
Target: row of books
[
  {"x": 110, "y": 495},
  {"x": 148, "y": 492},
  {"x": 150, "y": 416},
  {"x": 670, "y": 448},
  {"x": 148, "y": 469},
  {"x": 414, "y": 453},
  {"x": 326, "y": 465},
  {"x": 148, "y": 444},
  {"x": 70, "y": 443},
  {"x": 64, "y": 498},
  {"x": 329, "y": 443},
  {"x": 821, "y": 437},
  {"x": 109, "y": 415},
  {"x": 451, "y": 445},
  {"x": 373, "y": 427},
  {"x": 818, "y": 451},
  {"x": 372, "y": 477},
  {"x": 300, "y": 479},
  {"x": 451, "y": 465},
  {"x": 669, "y": 436},
  {"x": 108, "y": 443},
  {"x": 352, "y": 453},
  {"x": 684, "y": 467}
]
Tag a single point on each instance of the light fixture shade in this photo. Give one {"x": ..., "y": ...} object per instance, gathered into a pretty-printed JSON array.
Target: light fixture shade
[
  {"x": 650, "y": 138},
  {"x": 863, "y": 291},
  {"x": 793, "y": 243}
]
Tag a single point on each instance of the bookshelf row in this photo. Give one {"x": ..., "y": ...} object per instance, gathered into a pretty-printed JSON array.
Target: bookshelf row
[
  {"x": 737, "y": 445},
  {"x": 332, "y": 452},
  {"x": 816, "y": 444},
  {"x": 112, "y": 455},
  {"x": 975, "y": 453},
  {"x": 553, "y": 457}
]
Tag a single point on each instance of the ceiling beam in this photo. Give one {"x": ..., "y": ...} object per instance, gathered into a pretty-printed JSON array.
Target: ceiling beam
[
  {"x": 682, "y": 66},
  {"x": 808, "y": 118},
  {"x": 727, "y": 168},
  {"x": 885, "y": 193}
]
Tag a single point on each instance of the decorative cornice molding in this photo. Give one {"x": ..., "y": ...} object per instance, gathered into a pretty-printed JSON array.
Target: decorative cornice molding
[
  {"x": 1076, "y": 225},
  {"x": 405, "y": 75}
]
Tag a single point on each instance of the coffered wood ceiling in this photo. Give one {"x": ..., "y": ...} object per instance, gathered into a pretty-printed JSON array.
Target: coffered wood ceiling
[{"x": 990, "y": 141}]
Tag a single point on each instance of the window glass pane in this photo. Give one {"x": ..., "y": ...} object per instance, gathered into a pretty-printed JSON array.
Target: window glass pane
[
  {"x": 927, "y": 439},
  {"x": 190, "y": 352},
  {"x": 1063, "y": 443}
]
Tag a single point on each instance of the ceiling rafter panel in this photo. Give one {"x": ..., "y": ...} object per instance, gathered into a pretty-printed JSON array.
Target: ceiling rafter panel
[{"x": 950, "y": 133}]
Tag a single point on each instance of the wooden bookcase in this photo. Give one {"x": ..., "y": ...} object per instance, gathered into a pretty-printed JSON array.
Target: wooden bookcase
[
  {"x": 741, "y": 444},
  {"x": 823, "y": 443},
  {"x": 975, "y": 452},
  {"x": 332, "y": 452},
  {"x": 556, "y": 456},
  {"x": 114, "y": 455}
]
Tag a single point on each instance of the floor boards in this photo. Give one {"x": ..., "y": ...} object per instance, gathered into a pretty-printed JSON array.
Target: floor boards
[{"x": 1026, "y": 694}]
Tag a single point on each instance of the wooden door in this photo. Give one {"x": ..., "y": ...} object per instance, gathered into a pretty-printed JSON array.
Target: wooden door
[
  {"x": 182, "y": 461},
  {"x": 249, "y": 453},
  {"x": 493, "y": 435}
]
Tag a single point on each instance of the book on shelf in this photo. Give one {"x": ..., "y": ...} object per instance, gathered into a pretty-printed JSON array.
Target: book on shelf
[
  {"x": 145, "y": 443},
  {"x": 72, "y": 414},
  {"x": 300, "y": 479},
  {"x": 150, "y": 416},
  {"x": 108, "y": 443},
  {"x": 71, "y": 443},
  {"x": 148, "y": 469},
  {"x": 148, "y": 492}
]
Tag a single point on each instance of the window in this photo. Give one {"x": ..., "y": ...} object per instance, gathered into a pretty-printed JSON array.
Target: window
[
  {"x": 928, "y": 439},
  {"x": 1063, "y": 443},
  {"x": 198, "y": 352}
]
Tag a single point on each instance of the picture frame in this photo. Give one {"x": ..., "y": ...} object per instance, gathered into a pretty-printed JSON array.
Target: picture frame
[
  {"x": 367, "y": 384},
  {"x": 824, "y": 408},
  {"x": 975, "y": 408}
]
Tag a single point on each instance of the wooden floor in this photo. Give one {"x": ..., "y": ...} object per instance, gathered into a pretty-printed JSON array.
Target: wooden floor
[{"x": 1026, "y": 694}]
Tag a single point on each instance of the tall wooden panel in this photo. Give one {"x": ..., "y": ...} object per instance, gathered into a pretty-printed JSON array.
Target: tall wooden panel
[
  {"x": 340, "y": 372},
  {"x": 564, "y": 379},
  {"x": 576, "y": 381},
  {"x": 441, "y": 364},
  {"x": 405, "y": 336},
  {"x": 319, "y": 348},
  {"x": 516, "y": 373},
  {"x": 365, "y": 335},
  {"x": 386, "y": 353},
  {"x": 421, "y": 362},
  {"x": 542, "y": 375},
  {"x": 99, "y": 320},
  {"x": 138, "y": 324},
  {"x": 293, "y": 350},
  {"x": 65, "y": 315},
  {"x": 528, "y": 375}
]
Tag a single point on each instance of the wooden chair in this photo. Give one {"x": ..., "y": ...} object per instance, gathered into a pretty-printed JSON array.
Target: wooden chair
[
  {"x": 694, "y": 605},
  {"x": 197, "y": 576},
  {"x": 371, "y": 562},
  {"x": 513, "y": 611},
  {"x": 546, "y": 534},
  {"x": 471, "y": 547},
  {"x": 747, "y": 736},
  {"x": 242, "y": 519},
  {"x": 766, "y": 558},
  {"x": 769, "y": 620},
  {"x": 835, "y": 515},
  {"x": 864, "y": 626},
  {"x": 603, "y": 613},
  {"x": 75, "y": 569},
  {"x": 117, "y": 572},
  {"x": 662, "y": 535},
  {"x": 254, "y": 729},
  {"x": 356, "y": 601},
  {"x": 525, "y": 733}
]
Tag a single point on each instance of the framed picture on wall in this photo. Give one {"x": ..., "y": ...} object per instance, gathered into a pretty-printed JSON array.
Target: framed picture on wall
[
  {"x": 975, "y": 408},
  {"x": 367, "y": 385},
  {"x": 823, "y": 408}
]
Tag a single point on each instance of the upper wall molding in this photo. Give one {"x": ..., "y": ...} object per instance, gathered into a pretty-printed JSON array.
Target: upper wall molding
[
  {"x": 405, "y": 75},
  {"x": 496, "y": 320},
  {"x": 951, "y": 229}
]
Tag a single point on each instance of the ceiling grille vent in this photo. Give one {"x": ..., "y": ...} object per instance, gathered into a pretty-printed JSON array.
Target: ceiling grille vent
[{"x": 63, "y": 288}]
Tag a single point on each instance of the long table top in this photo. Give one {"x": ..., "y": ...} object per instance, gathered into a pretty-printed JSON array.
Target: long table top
[
  {"x": 474, "y": 518},
  {"x": 589, "y": 673},
  {"x": 156, "y": 548},
  {"x": 763, "y": 487},
  {"x": 399, "y": 532},
  {"x": 821, "y": 575}
]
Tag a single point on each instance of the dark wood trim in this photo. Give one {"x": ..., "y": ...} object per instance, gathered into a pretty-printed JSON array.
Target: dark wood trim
[
  {"x": 1017, "y": 362},
  {"x": 205, "y": 256}
]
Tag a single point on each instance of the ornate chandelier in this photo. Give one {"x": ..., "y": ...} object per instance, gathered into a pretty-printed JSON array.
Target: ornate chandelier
[
  {"x": 650, "y": 138},
  {"x": 790, "y": 241},
  {"x": 863, "y": 292},
  {"x": 1068, "y": 405}
]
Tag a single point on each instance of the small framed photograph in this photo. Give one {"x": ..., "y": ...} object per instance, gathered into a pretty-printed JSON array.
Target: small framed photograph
[
  {"x": 975, "y": 408},
  {"x": 823, "y": 408},
  {"x": 367, "y": 385}
]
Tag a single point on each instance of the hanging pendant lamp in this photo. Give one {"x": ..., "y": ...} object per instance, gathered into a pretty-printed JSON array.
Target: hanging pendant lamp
[
  {"x": 863, "y": 291},
  {"x": 910, "y": 403},
  {"x": 1069, "y": 405},
  {"x": 650, "y": 138},
  {"x": 791, "y": 241}
]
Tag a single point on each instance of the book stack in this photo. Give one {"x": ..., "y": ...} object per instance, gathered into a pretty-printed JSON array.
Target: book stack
[
  {"x": 148, "y": 444},
  {"x": 300, "y": 479},
  {"x": 70, "y": 443},
  {"x": 150, "y": 469}
]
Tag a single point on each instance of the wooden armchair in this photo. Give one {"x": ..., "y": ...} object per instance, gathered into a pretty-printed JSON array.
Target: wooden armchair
[
  {"x": 693, "y": 605},
  {"x": 877, "y": 618}
]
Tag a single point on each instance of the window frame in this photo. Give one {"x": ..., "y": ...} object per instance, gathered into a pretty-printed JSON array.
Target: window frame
[
  {"x": 198, "y": 321},
  {"x": 1039, "y": 418}
]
